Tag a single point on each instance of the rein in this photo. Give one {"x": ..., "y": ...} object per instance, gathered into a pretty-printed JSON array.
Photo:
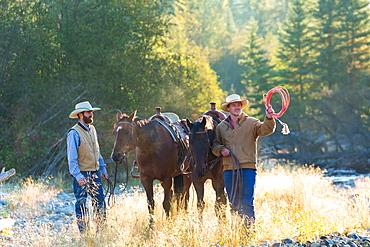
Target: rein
[
  {"x": 112, "y": 185},
  {"x": 236, "y": 182},
  {"x": 214, "y": 162}
]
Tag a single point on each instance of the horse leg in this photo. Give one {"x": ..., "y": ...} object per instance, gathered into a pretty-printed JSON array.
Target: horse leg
[
  {"x": 178, "y": 185},
  {"x": 199, "y": 188},
  {"x": 167, "y": 187},
  {"x": 148, "y": 186},
  {"x": 187, "y": 184},
  {"x": 221, "y": 199}
]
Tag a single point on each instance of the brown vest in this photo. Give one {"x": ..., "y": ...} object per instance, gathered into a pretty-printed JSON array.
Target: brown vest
[{"x": 88, "y": 151}]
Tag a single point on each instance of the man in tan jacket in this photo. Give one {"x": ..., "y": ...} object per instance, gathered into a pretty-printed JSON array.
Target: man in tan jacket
[
  {"x": 236, "y": 140},
  {"x": 86, "y": 165}
]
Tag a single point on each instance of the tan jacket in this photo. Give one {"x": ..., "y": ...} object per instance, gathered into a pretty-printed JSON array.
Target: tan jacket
[
  {"x": 241, "y": 141},
  {"x": 88, "y": 151}
]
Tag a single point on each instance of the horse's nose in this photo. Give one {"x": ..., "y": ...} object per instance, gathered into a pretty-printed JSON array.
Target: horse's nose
[
  {"x": 116, "y": 157},
  {"x": 200, "y": 171}
]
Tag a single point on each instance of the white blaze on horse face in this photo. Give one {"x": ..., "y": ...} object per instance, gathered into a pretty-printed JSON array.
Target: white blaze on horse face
[{"x": 115, "y": 139}]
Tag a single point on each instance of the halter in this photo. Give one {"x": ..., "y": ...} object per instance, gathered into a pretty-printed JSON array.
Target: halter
[
  {"x": 112, "y": 185},
  {"x": 212, "y": 163},
  {"x": 132, "y": 129}
]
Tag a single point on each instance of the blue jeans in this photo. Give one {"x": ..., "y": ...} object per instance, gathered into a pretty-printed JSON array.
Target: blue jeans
[
  {"x": 240, "y": 186},
  {"x": 94, "y": 188}
]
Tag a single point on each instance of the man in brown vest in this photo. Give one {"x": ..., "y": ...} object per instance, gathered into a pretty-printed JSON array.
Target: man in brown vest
[{"x": 86, "y": 165}]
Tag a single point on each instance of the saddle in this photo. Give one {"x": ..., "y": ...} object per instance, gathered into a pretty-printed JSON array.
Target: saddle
[
  {"x": 160, "y": 116},
  {"x": 217, "y": 115},
  {"x": 178, "y": 130}
]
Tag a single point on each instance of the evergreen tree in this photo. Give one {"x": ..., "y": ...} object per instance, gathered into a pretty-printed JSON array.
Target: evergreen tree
[
  {"x": 294, "y": 53},
  {"x": 328, "y": 63},
  {"x": 257, "y": 74},
  {"x": 355, "y": 39}
]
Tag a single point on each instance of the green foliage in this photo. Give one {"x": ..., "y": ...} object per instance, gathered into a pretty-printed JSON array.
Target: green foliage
[
  {"x": 258, "y": 75},
  {"x": 178, "y": 55},
  {"x": 112, "y": 53},
  {"x": 328, "y": 55},
  {"x": 294, "y": 52},
  {"x": 354, "y": 31}
]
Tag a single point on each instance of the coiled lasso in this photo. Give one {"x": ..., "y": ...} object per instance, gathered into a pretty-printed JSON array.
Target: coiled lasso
[{"x": 285, "y": 101}]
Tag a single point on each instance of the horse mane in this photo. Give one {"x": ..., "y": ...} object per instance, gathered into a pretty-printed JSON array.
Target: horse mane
[
  {"x": 125, "y": 116},
  {"x": 197, "y": 125},
  {"x": 148, "y": 129},
  {"x": 140, "y": 122},
  {"x": 216, "y": 118},
  {"x": 210, "y": 125}
]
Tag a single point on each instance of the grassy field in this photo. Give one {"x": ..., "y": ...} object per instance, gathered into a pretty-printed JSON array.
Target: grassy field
[{"x": 295, "y": 203}]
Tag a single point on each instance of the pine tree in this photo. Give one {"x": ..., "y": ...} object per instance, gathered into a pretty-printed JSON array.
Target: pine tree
[
  {"x": 294, "y": 53},
  {"x": 257, "y": 72},
  {"x": 355, "y": 33},
  {"x": 328, "y": 58}
]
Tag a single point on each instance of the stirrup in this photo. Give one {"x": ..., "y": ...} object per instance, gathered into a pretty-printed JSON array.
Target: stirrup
[{"x": 134, "y": 166}]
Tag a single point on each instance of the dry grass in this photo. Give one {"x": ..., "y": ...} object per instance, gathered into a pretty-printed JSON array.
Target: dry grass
[{"x": 290, "y": 203}]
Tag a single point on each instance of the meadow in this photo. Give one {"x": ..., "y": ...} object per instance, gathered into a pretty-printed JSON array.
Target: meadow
[{"x": 294, "y": 202}]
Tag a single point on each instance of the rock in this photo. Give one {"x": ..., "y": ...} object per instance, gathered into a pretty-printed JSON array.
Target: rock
[
  {"x": 287, "y": 241},
  {"x": 6, "y": 223},
  {"x": 4, "y": 202}
]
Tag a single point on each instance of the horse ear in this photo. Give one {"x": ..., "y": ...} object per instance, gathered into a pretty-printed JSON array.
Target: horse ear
[
  {"x": 204, "y": 121},
  {"x": 133, "y": 115},
  {"x": 189, "y": 123},
  {"x": 119, "y": 115}
]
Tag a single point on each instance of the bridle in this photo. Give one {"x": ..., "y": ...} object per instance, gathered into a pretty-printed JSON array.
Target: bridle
[
  {"x": 124, "y": 162},
  {"x": 132, "y": 131},
  {"x": 209, "y": 164}
]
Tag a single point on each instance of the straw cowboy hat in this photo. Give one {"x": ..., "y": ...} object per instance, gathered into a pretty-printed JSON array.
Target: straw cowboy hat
[
  {"x": 82, "y": 106},
  {"x": 232, "y": 99}
]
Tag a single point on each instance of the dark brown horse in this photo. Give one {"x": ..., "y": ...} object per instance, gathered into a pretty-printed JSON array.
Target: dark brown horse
[
  {"x": 205, "y": 164},
  {"x": 156, "y": 156}
]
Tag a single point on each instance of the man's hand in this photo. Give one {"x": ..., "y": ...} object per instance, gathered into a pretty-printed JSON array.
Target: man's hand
[
  {"x": 269, "y": 112},
  {"x": 105, "y": 176},
  {"x": 82, "y": 181},
  {"x": 225, "y": 152}
]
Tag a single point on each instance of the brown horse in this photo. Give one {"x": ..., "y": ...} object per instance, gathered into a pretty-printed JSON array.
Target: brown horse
[
  {"x": 205, "y": 164},
  {"x": 156, "y": 156}
]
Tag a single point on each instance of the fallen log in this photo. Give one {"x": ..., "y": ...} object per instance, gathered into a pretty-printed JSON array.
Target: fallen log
[{"x": 5, "y": 175}]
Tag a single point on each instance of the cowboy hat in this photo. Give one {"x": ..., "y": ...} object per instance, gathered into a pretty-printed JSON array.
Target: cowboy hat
[
  {"x": 232, "y": 99},
  {"x": 82, "y": 106}
]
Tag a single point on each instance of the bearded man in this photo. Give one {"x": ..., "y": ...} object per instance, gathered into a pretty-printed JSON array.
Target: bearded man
[{"x": 86, "y": 165}]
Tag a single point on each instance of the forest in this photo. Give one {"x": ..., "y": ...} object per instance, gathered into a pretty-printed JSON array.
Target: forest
[{"x": 181, "y": 55}]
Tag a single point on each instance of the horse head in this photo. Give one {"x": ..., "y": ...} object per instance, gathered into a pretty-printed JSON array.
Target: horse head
[
  {"x": 124, "y": 135},
  {"x": 200, "y": 143}
]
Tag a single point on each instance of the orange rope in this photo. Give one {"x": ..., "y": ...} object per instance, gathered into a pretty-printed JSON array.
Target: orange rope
[{"x": 285, "y": 101}]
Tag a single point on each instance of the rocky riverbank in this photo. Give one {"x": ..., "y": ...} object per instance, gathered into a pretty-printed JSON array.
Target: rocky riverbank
[{"x": 24, "y": 220}]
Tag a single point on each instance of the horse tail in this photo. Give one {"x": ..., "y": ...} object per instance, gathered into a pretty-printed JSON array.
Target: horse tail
[{"x": 179, "y": 194}]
